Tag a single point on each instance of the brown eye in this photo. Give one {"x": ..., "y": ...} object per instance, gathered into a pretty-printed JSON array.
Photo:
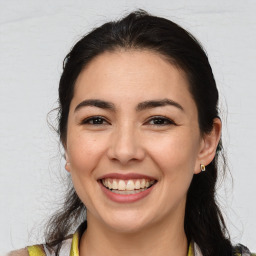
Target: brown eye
[
  {"x": 160, "y": 121},
  {"x": 95, "y": 120}
]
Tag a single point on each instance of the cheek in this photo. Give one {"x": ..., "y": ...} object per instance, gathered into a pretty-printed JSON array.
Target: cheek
[
  {"x": 84, "y": 153},
  {"x": 174, "y": 154}
]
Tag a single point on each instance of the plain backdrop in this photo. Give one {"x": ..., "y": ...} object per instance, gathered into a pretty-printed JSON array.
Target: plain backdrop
[{"x": 34, "y": 38}]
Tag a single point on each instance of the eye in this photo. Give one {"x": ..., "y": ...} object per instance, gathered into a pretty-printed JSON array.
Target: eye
[
  {"x": 95, "y": 120},
  {"x": 160, "y": 121}
]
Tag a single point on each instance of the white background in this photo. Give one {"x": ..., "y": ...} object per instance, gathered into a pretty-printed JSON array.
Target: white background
[{"x": 35, "y": 36}]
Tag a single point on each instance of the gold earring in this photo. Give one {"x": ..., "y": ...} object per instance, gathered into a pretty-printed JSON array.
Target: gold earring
[{"x": 202, "y": 167}]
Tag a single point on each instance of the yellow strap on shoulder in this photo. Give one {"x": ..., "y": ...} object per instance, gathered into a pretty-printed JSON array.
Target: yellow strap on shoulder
[
  {"x": 74, "y": 246},
  {"x": 35, "y": 250},
  {"x": 190, "y": 250}
]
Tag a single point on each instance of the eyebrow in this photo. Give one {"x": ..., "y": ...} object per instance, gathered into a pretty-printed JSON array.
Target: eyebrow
[
  {"x": 140, "y": 107},
  {"x": 96, "y": 103},
  {"x": 158, "y": 103}
]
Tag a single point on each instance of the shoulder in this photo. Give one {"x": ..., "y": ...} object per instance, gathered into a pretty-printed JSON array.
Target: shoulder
[
  {"x": 20, "y": 252},
  {"x": 241, "y": 250},
  {"x": 28, "y": 251}
]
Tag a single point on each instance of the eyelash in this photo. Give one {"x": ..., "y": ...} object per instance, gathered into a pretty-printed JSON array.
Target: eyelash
[
  {"x": 164, "y": 121},
  {"x": 94, "y": 118}
]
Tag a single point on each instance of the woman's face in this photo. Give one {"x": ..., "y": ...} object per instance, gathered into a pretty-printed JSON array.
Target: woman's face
[{"x": 133, "y": 140}]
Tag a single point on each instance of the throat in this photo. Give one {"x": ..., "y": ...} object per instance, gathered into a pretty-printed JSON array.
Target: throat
[{"x": 106, "y": 242}]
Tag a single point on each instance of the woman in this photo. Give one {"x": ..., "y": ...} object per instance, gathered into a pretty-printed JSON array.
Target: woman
[{"x": 138, "y": 119}]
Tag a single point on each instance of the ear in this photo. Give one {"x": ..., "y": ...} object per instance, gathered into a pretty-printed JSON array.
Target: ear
[
  {"x": 209, "y": 143},
  {"x": 67, "y": 165}
]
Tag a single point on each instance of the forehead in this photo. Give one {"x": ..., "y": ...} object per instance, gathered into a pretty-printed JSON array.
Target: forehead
[{"x": 132, "y": 74}]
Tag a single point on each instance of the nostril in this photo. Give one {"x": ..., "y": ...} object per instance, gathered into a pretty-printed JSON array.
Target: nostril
[
  {"x": 125, "y": 145},
  {"x": 125, "y": 155}
]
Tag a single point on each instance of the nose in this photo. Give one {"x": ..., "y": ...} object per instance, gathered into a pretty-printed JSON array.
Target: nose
[{"x": 126, "y": 145}]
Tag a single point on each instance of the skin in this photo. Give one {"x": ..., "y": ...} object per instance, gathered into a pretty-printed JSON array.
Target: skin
[{"x": 130, "y": 141}]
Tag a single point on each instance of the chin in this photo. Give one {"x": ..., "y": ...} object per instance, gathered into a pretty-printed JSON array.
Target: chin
[
  {"x": 127, "y": 227},
  {"x": 127, "y": 222}
]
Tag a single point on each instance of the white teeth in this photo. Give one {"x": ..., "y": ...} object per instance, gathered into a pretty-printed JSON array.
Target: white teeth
[
  {"x": 143, "y": 183},
  {"x": 130, "y": 185},
  {"x": 127, "y": 185},
  {"x": 137, "y": 184},
  {"x": 114, "y": 184},
  {"x": 121, "y": 185},
  {"x": 109, "y": 184},
  {"x": 128, "y": 192}
]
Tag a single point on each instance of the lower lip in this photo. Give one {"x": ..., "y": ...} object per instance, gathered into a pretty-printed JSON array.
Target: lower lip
[{"x": 125, "y": 198}]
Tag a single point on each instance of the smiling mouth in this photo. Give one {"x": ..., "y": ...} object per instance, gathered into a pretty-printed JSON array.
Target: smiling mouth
[{"x": 127, "y": 187}]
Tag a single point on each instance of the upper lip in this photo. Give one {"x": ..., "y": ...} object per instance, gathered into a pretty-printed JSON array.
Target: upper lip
[{"x": 128, "y": 176}]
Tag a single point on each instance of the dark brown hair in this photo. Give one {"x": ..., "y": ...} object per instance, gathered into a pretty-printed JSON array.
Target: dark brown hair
[{"x": 204, "y": 223}]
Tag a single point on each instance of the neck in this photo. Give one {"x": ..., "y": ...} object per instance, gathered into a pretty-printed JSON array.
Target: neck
[{"x": 159, "y": 239}]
